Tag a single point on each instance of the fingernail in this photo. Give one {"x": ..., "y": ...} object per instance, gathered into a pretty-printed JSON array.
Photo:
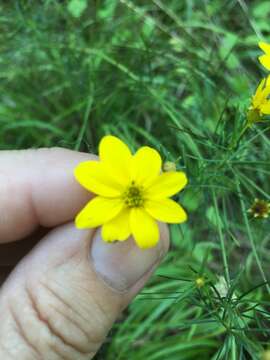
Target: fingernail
[{"x": 122, "y": 264}]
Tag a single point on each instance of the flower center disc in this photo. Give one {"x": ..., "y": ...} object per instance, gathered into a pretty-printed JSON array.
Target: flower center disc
[
  {"x": 133, "y": 196},
  {"x": 260, "y": 209}
]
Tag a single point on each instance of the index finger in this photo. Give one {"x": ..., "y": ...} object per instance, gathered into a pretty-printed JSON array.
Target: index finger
[{"x": 37, "y": 188}]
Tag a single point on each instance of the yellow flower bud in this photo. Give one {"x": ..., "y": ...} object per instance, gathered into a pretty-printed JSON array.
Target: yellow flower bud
[
  {"x": 169, "y": 166},
  {"x": 266, "y": 355},
  {"x": 200, "y": 282}
]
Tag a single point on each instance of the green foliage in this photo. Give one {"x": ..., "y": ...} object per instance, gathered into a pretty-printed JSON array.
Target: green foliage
[
  {"x": 77, "y": 7},
  {"x": 176, "y": 75}
]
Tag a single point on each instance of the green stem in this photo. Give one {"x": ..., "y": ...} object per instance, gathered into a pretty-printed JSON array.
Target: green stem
[
  {"x": 222, "y": 243},
  {"x": 236, "y": 142}
]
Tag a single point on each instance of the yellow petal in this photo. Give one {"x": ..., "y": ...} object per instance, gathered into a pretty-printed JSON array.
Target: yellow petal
[
  {"x": 144, "y": 228},
  {"x": 146, "y": 165},
  {"x": 118, "y": 228},
  {"x": 93, "y": 176},
  {"x": 98, "y": 211},
  {"x": 264, "y": 46},
  {"x": 258, "y": 94},
  {"x": 166, "y": 185},
  {"x": 265, "y": 109},
  {"x": 266, "y": 93},
  {"x": 166, "y": 210},
  {"x": 116, "y": 157},
  {"x": 265, "y": 61}
]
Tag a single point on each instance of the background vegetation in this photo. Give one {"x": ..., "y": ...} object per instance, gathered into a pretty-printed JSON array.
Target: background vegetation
[{"x": 178, "y": 76}]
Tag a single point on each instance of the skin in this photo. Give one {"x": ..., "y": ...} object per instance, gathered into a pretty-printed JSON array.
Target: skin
[{"x": 53, "y": 304}]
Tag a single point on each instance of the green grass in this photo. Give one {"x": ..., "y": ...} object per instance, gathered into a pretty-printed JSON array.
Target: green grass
[{"x": 178, "y": 76}]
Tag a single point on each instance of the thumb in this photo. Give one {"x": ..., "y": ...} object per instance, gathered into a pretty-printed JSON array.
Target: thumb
[{"x": 62, "y": 299}]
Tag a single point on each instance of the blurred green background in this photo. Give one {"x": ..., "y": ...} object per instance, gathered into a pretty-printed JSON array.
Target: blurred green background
[{"x": 176, "y": 75}]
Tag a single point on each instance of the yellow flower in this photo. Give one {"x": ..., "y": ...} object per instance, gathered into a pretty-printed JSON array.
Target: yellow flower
[
  {"x": 260, "y": 102},
  {"x": 200, "y": 282},
  {"x": 132, "y": 193},
  {"x": 260, "y": 209},
  {"x": 265, "y": 59}
]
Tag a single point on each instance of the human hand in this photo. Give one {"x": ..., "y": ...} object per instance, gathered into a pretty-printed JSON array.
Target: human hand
[{"x": 62, "y": 298}]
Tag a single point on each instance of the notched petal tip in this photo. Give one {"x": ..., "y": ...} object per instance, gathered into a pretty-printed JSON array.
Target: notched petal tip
[{"x": 117, "y": 228}]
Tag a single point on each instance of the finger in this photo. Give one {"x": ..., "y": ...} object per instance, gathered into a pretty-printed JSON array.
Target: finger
[
  {"x": 63, "y": 298},
  {"x": 37, "y": 187}
]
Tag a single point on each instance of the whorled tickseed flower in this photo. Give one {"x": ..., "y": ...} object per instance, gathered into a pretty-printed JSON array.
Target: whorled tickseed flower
[
  {"x": 260, "y": 209},
  {"x": 260, "y": 104},
  {"x": 132, "y": 193}
]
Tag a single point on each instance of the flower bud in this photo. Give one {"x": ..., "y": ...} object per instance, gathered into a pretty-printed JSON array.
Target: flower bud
[
  {"x": 200, "y": 282},
  {"x": 169, "y": 166},
  {"x": 266, "y": 355}
]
